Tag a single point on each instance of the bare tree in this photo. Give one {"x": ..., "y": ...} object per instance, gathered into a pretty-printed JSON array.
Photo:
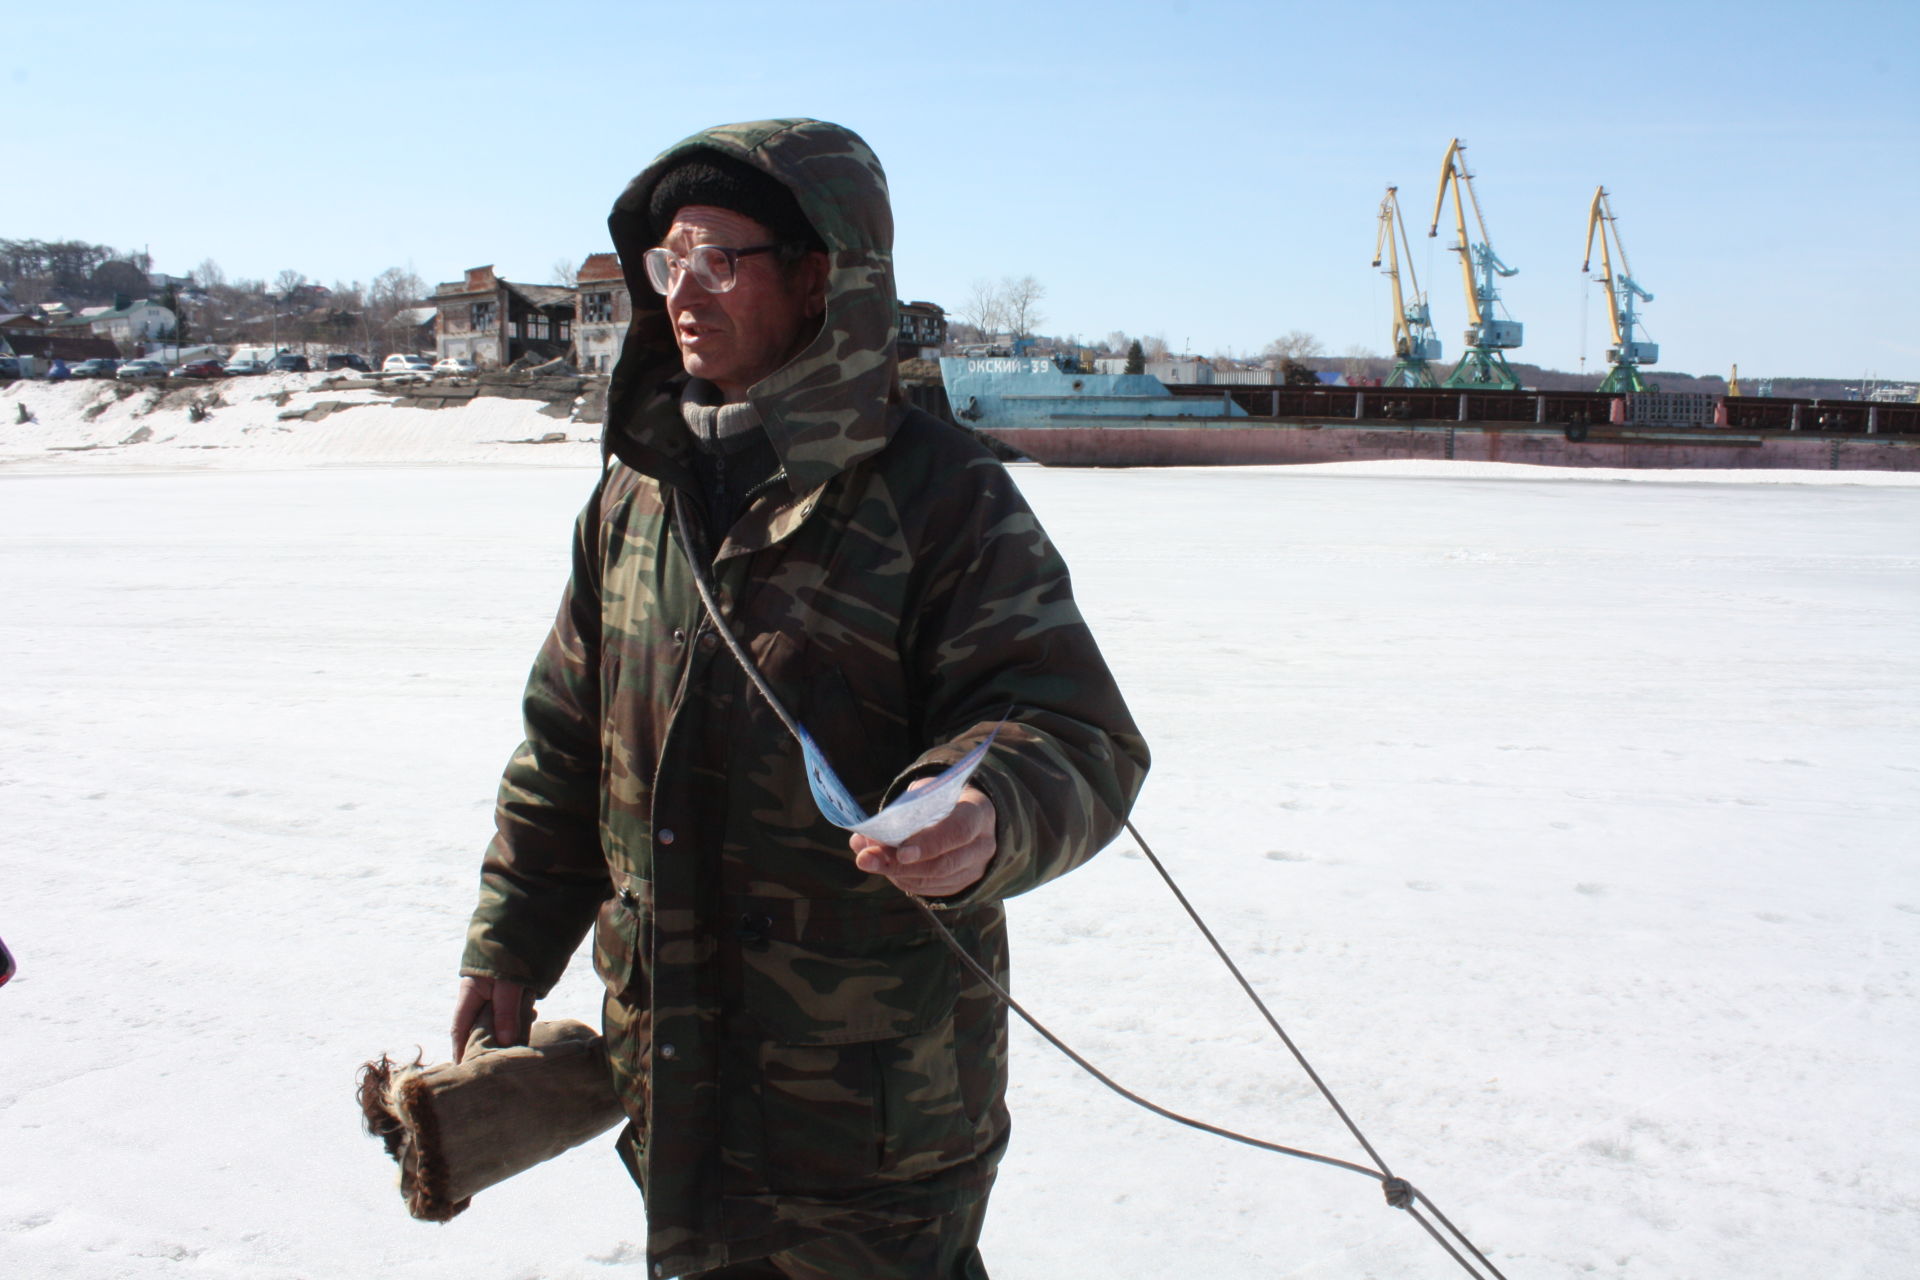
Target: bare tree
[
  {"x": 1296, "y": 344},
  {"x": 69, "y": 270},
  {"x": 225, "y": 303},
  {"x": 287, "y": 283},
  {"x": 984, "y": 308},
  {"x": 961, "y": 334},
  {"x": 397, "y": 288},
  {"x": 1117, "y": 342},
  {"x": 392, "y": 291},
  {"x": 565, "y": 271},
  {"x": 1021, "y": 298},
  {"x": 1154, "y": 346},
  {"x": 1359, "y": 362}
]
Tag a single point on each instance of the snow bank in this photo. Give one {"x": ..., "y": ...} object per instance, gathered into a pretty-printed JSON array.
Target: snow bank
[{"x": 264, "y": 423}]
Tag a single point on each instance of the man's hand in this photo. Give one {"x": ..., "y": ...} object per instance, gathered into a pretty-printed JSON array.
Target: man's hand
[
  {"x": 943, "y": 859},
  {"x": 508, "y": 1006}
]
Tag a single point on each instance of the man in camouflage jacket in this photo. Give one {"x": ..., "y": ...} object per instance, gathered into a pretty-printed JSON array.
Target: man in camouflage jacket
[{"x": 813, "y": 1080}]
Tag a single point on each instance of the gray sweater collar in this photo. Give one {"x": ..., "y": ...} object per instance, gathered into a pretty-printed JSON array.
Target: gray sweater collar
[{"x": 716, "y": 427}]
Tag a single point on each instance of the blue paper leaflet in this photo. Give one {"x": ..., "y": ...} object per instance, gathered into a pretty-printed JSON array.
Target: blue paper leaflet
[{"x": 911, "y": 813}]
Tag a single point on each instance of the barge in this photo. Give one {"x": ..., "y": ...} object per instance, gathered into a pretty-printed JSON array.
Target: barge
[{"x": 1062, "y": 418}]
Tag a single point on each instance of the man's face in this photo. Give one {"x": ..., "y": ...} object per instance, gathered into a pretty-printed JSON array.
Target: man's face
[{"x": 736, "y": 338}]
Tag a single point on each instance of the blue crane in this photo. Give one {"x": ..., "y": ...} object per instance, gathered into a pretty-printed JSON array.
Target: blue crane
[
  {"x": 1627, "y": 353},
  {"x": 1414, "y": 342},
  {"x": 1488, "y": 337}
]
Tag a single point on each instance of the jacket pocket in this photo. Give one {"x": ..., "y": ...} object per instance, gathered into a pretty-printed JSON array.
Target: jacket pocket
[
  {"x": 842, "y": 971},
  {"x": 620, "y": 938},
  {"x": 820, "y": 1117},
  {"x": 620, "y": 941},
  {"x": 839, "y": 1117},
  {"x": 865, "y": 745},
  {"x": 859, "y": 1080}
]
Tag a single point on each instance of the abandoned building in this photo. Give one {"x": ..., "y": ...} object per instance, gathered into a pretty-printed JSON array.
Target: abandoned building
[
  {"x": 606, "y": 308},
  {"x": 494, "y": 322},
  {"x": 923, "y": 330}
]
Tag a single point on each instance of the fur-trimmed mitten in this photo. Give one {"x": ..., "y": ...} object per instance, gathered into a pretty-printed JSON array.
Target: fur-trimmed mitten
[{"x": 457, "y": 1130}]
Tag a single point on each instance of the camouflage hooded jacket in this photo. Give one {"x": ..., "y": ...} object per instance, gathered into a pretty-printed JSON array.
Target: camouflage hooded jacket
[{"x": 797, "y": 1051}]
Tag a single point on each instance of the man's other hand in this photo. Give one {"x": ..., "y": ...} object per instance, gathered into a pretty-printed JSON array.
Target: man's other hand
[
  {"x": 941, "y": 860},
  {"x": 507, "y": 1006}
]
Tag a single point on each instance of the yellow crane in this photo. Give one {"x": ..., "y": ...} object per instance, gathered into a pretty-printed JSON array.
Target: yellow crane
[
  {"x": 1414, "y": 342},
  {"x": 1488, "y": 337},
  {"x": 1627, "y": 353}
]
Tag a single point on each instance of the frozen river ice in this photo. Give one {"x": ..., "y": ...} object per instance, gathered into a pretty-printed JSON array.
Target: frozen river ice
[{"x": 1572, "y": 827}]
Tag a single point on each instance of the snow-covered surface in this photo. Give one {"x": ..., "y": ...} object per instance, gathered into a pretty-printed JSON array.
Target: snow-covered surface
[
  {"x": 146, "y": 426},
  {"x": 1570, "y": 827}
]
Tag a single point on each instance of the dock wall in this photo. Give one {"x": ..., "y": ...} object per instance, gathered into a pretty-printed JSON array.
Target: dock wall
[{"x": 1137, "y": 443}]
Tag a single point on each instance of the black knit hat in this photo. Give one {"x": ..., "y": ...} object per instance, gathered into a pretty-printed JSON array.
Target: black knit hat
[{"x": 715, "y": 179}]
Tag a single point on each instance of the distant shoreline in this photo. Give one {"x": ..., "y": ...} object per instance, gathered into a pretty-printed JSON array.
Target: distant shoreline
[{"x": 305, "y": 420}]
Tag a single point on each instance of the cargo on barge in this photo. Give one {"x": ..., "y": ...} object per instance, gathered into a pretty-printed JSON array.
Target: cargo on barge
[{"x": 1062, "y": 418}]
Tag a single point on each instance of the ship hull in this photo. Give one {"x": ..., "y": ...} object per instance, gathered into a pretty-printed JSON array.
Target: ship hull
[
  {"x": 1115, "y": 442},
  {"x": 1063, "y": 418}
]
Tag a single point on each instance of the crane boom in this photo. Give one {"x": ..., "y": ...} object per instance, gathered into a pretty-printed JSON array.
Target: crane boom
[
  {"x": 1487, "y": 337},
  {"x": 1627, "y": 353},
  {"x": 1414, "y": 342}
]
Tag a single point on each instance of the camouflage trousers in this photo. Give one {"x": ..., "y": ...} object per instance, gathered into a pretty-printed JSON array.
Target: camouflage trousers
[{"x": 945, "y": 1248}]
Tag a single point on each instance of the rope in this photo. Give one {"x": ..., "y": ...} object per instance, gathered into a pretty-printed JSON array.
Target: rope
[
  {"x": 705, "y": 588},
  {"x": 1385, "y": 1173},
  {"x": 1400, "y": 1194}
]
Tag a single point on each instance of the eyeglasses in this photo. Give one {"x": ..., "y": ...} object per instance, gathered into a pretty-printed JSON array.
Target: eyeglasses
[{"x": 712, "y": 266}]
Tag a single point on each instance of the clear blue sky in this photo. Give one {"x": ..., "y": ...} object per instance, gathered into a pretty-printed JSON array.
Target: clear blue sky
[{"x": 1210, "y": 172}]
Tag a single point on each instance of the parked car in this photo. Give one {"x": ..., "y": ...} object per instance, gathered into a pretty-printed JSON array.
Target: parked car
[
  {"x": 243, "y": 368},
  {"x": 407, "y": 362},
  {"x": 134, "y": 370},
  {"x": 289, "y": 362},
  {"x": 457, "y": 366},
  {"x": 98, "y": 367},
  {"x": 200, "y": 369},
  {"x": 10, "y": 368},
  {"x": 347, "y": 360}
]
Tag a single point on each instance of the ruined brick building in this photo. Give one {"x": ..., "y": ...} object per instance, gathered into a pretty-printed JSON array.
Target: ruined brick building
[
  {"x": 606, "y": 308},
  {"x": 494, "y": 322}
]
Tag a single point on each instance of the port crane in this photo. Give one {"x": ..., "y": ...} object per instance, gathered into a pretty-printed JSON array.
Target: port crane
[
  {"x": 1627, "y": 353},
  {"x": 1414, "y": 342},
  {"x": 1487, "y": 339}
]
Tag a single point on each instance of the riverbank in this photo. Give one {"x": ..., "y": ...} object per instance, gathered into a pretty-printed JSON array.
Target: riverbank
[
  {"x": 298, "y": 420},
  {"x": 276, "y": 421}
]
